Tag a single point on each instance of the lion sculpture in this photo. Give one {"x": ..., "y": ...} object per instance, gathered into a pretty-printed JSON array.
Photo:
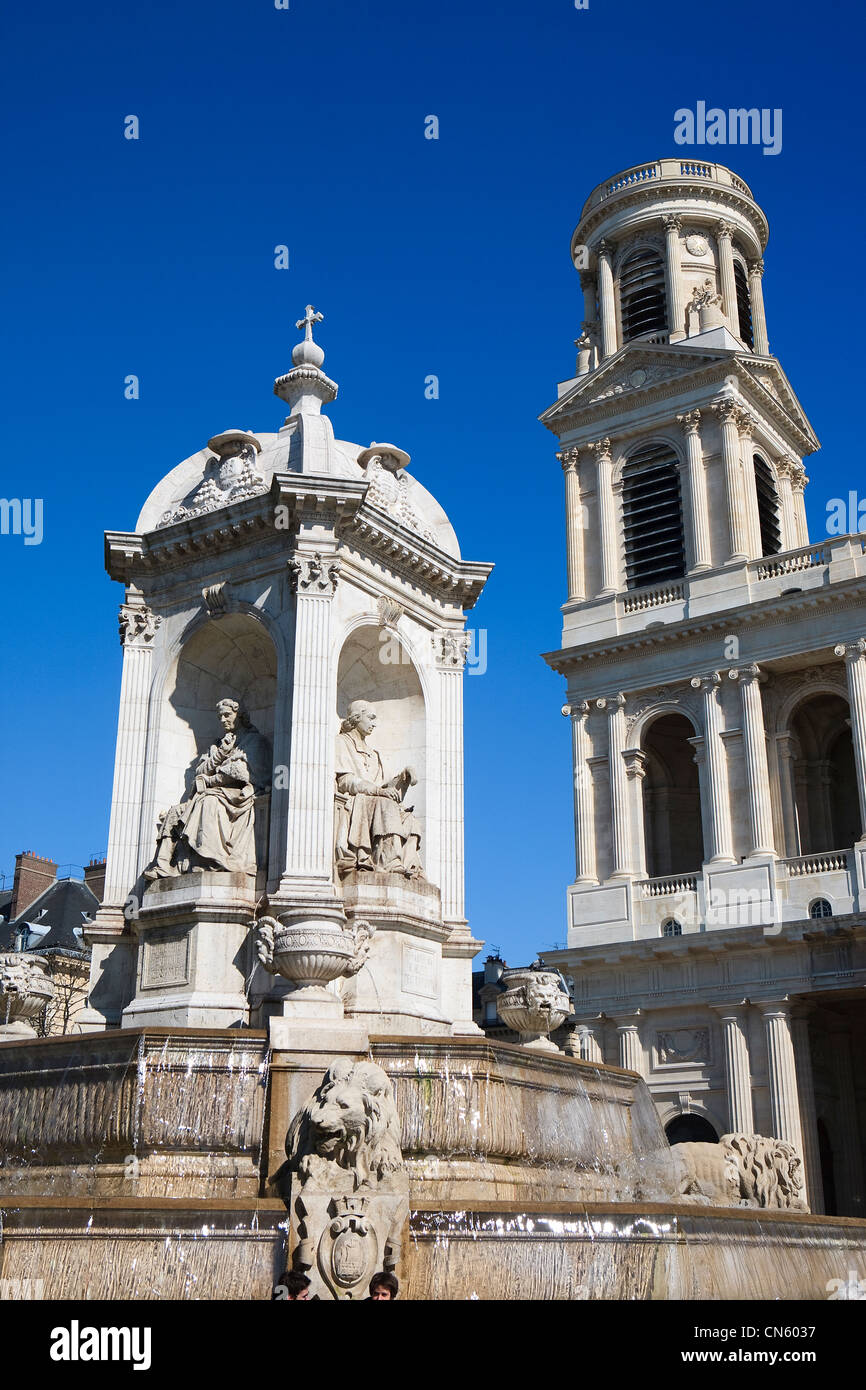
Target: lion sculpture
[
  {"x": 741, "y": 1170},
  {"x": 350, "y": 1123}
]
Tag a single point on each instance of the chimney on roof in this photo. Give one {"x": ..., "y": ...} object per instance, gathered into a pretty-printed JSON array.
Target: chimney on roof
[
  {"x": 94, "y": 877},
  {"x": 33, "y": 875}
]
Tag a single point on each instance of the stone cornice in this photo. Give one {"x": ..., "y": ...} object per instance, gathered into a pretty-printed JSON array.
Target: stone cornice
[
  {"x": 689, "y": 632},
  {"x": 692, "y": 197},
  {"x": 575, "y": 410},
  {"x": 373, "y": 533}
]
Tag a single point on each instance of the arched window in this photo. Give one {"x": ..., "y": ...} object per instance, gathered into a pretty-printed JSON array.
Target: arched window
[
  {"x": 820, "y": 908},
  {"x": 652, "y": 517},
  {"x": 672, "y": 927},
  {"x": 768, "y": 508},
  {"x": 642, "y": 293},
  {"x": 744, "y": 304}
]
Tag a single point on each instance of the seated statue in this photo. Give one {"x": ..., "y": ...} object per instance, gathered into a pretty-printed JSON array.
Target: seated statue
[
  {"x": 373, "y": 831},
  {"x": 215, "y": 827}
]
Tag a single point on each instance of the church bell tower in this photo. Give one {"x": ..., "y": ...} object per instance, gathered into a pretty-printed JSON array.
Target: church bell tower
[{"x": 716, "y": 671}]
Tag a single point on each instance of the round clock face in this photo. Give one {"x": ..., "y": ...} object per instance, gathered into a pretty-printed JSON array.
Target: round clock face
[
  {"x": 696, "y": 245},
  {"x": 638, "y": 377}
]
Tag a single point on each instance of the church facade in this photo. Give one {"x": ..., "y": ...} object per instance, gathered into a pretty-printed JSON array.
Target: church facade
[{"x": 716, "y": 686}]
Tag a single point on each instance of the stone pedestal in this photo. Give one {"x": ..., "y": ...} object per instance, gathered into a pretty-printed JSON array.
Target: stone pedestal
[
  {"x": 399, "y": 990},
  {"x": 194, "y": 952}
]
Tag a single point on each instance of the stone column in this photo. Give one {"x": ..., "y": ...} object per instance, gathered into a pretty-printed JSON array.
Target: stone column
[
  {"x": 138, "y": 627},
  {"x": 855, "y": 664},
  {"x": 589, "y": 1043},
  {"x": 746, "y": 424},
  {"x": 310, "y": 846},
  {"x": 698, "y": 513},
  {"x": 808, "y": 1116},
  {"x": 590, "y": 310},
  {"x": 631, "y": 1055},
  {"x": 584, "y": 797},
  {"x": 850, "y": 1179},
  {"x": 618, "y": 784},
  {"x": 676, "y": 304},
  {"x": 728, "y": 413},
  {"x": 761, "y": 840},
  {"x": 756, "y": 296},
  {"x": 798, "y": 488},
  {"x": 786, "y": 756},
  {"x": 715, "y": 760},
  {"x": 724, "y": 235},
  {"x": 606, "y": 305},
  {"x": 451, "y": 649},
  {"x": 790, "y": 529},
  {"x": 782, "y": 1075},
  {"x": 573, "y": 523},
  {"x": 608, "y": 539},
  {"x": 738, "y": 1078}
]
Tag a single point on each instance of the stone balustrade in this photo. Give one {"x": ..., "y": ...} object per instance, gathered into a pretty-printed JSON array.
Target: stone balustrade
[{"x": 664, "y": 169}]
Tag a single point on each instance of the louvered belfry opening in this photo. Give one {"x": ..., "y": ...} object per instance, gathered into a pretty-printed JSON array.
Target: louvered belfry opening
[
  {"x": 768, "y": 508},
  {"x": 652, "y": 517},
  {"x": 744, "y": 304},
  {"x": 642, "y": 293}
]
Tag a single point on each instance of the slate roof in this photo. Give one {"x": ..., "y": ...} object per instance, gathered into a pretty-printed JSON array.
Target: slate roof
[{"x": 63, "y": 902}]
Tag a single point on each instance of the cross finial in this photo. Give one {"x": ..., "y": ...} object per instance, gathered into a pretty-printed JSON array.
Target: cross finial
[{"x": 310, "y": 317}]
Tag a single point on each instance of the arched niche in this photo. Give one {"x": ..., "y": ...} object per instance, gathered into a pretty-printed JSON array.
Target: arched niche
[
  {"x": 690, "y": 1129},
  {"x": 824, "y": 781},
  {"x": 230, "y": 657},
  {"x": 376, "y": 666},
  {"x": 673, "y": 829}
]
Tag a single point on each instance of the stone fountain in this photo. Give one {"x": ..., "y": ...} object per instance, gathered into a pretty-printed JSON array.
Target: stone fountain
[{"x": 279, "y": 1063}]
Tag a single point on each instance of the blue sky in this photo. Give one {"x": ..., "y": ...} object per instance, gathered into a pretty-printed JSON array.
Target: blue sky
[{"x": 305, "y": 127}]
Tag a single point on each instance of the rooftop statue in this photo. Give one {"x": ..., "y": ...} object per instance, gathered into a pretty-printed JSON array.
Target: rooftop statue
[
  {"x": 373, "y": 830},
  {"x": 214, "y": 828}
]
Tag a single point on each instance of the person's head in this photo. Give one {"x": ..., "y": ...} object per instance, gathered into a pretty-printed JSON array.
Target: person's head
[
  {"x": 361, "y": 716},
  {"x": 296, "y": 1285},
  {"x": 384, "y": 1286},
  {"x": 231, "y": 716}
]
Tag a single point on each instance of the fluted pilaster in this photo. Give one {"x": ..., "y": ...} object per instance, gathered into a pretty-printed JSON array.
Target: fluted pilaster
[
  {"x": 607, "y": 540},
  {"x": 756, "y": 296},
  {"x": 716, "y": 764},
  {"x": 782, "y": 1075},
  {"x": 310, "y": 848},
  {"x": 855, "y": 667},
  {"x": 728, "y": 413},
  {"x": 584, "y": 795},
  {"x": 738, "y": 1078},
  {"x": 615, "y": 709},
  {"x": 698, "y": 513},
  {"x": 761, "y": 839},
  {"x": 606, "y": 305},
  {"x": 128, "y": 847},
  {"x": 573, "y": 523}
]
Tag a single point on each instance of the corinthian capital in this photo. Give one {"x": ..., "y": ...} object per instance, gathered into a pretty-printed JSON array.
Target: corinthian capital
[
  {"x": 314, "y": 574},
  {"x": 756, "y": 267},
  {"x": 672, "y": 222},
  {"x": 724, "y": 229},
  {"x": 601, "y": 449},
  {"x": 569, "y": 458},
  {"x": 690, "y": 423},
  {"x": 727, "y": 409},
  {"x": 746, "y": 423},
  {"x": 137, "y": 625},
  {"x": 604, "y": 249}
]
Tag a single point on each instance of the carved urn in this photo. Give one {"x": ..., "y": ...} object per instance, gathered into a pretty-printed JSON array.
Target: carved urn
[
  {"x": 534, "y": 1004},
  {"x": 25, "y": 990},
  {"x": 311, "y": 955}
]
